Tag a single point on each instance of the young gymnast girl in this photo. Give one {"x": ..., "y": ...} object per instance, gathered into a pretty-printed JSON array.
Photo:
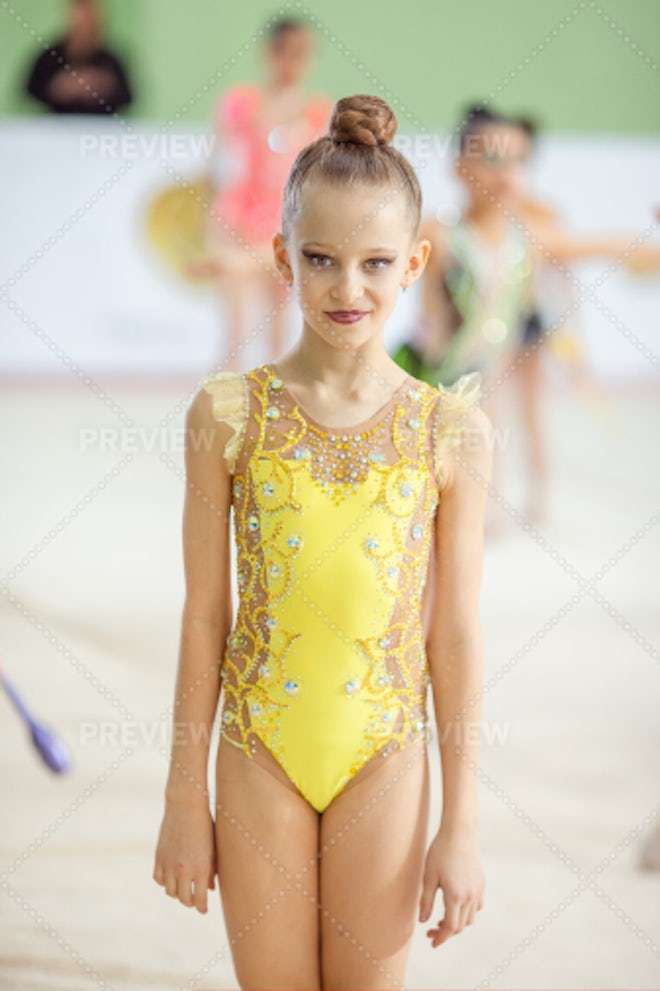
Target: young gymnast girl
[
  {"x": 483, "y": 280},
  {"x": 358, "y": 495},
  {"x": 261, "y": 128}
]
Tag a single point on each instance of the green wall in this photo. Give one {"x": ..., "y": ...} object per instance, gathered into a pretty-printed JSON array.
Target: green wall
[{"x": 578, "y": 65}]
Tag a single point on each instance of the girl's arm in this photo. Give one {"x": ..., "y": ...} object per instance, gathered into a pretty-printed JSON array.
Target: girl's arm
[
  {"x": 555, "y": 243},
  {"x": 454, "y": 652},
  {"x": 185, "y": 856}
]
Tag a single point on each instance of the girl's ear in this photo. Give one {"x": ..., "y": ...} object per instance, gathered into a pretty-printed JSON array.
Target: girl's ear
[
  {"x": 281, "y": 256},
  {"x": 417, "y": 262}
]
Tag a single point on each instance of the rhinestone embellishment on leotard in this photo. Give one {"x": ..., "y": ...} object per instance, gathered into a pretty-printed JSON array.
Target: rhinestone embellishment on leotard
[{"x": 339, "y": 460}]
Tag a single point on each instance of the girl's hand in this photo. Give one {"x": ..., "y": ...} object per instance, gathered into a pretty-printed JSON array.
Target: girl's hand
[
  {"x": 643, "y": 260},
  {"x": 453, "y": 864},
  {"x": 185, "y": 857}
]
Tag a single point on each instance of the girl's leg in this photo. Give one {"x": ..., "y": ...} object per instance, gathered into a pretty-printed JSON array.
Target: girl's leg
[
  {"x": 267, "y": 843},
  {"x": 231, "y": 296},
  {"x": 235, "y": 274},
  {"x": 373, "y": 848},
  {"x": 532, "y": 383}
]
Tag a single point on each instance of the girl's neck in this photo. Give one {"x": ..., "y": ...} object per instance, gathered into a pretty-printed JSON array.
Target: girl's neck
[
  {"x": 278, "y": 88},
  {"x": 485, "y": 214},
  {"x": 310, "y": 362}
]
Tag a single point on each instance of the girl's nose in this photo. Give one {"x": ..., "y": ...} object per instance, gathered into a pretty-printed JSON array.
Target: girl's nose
[{"x": 347, "y": 287}]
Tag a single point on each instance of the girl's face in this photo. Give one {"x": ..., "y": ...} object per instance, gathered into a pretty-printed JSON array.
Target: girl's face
[
  {"x": 349, "y": 252},
  {"x": 288, "y": 56},
  {"x": 491, "y": 164}
]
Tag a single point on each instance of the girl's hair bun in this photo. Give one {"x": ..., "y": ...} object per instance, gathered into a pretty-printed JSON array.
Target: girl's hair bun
[{"x": 362, "y": 120}]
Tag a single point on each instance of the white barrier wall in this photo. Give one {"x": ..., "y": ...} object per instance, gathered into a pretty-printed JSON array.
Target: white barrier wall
[{"x": 84, "y": 286}]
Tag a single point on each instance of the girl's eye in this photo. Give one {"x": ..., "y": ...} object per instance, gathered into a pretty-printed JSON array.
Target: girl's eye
[
  {"x": 318, "y": 261},
  {"x": 378, "y": 263}
]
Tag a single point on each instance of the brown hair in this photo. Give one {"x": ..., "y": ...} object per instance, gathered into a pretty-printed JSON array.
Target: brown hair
[{"x": 356, "y": 150}]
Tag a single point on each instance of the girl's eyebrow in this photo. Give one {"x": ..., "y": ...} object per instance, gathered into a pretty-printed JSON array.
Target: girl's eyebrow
[
  {"x": 315, "y": 244},
  {"x": 308, "y": 245}
]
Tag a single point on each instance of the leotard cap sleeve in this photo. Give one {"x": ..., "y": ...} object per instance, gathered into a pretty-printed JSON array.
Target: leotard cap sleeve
[
  {"x": 228, "y": 391},
  {"x": 452, "y": 419}
]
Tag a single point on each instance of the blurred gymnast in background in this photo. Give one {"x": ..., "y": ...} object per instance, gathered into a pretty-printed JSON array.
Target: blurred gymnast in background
[
  {"x": 259, "y": 129},
  {"x": 486, "y": 287}
]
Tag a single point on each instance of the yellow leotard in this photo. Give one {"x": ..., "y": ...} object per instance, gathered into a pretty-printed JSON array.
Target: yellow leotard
[{"x": 325, "y": 664}]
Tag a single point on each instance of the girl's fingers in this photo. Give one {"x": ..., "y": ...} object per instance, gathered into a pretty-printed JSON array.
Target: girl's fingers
[
  {"x": 171, "y": 884},
  {"x": 184, "y": 891},
  {"x": 467, "y": 915},
  {"x": 191, "y": 892},
  {"x": 429, "y": 889},
  {"x": 452, "y": 916},
  {"x": 200, "y": 895},
  {"x": 441, "y": 934},
  {"x": 457, "y": 916}
]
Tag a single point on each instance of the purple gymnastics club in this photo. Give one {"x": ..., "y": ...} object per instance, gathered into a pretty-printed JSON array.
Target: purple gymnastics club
[{"x": 53, "y": 751}]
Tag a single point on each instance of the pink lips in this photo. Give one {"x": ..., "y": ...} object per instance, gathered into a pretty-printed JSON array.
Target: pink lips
[{"x": 346, "y": 316}]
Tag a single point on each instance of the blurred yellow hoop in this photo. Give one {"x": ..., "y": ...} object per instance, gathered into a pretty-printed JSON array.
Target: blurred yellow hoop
[
  {"x": 176, "y": 227},
  {"x": 565, "y": 345}
]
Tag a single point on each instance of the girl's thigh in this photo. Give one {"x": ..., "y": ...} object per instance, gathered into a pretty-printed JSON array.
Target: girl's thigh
[
  {"x": 373, "y": 847},
  {"x": 267, "y": 853}
]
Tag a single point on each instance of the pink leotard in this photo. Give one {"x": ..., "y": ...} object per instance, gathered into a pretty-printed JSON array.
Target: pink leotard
[{"x": 250, "y": 203}]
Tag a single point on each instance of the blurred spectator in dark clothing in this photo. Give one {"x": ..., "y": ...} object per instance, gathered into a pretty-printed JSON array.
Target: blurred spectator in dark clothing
[{"x": 77, "y": 75}]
